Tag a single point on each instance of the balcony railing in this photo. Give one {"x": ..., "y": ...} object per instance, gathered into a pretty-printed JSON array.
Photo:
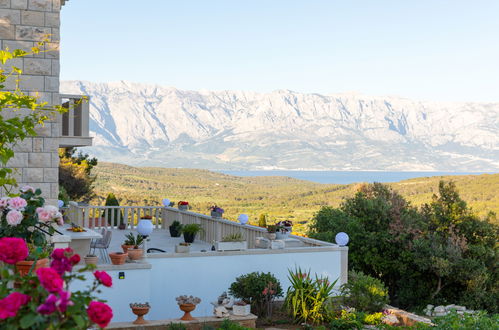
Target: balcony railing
[
  {"x": 214, "y": 229},
  {"x": 73, "y": 124}
]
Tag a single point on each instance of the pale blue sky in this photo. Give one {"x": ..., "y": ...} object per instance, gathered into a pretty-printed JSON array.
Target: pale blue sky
[{"x": 422, "y": 49}]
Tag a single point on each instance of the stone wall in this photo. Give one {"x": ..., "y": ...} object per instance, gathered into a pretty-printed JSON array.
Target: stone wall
[{"x": 22, "y": 24}]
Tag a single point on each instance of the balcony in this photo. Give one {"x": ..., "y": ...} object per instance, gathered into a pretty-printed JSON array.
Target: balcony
[{"x": 73, "y": 124}]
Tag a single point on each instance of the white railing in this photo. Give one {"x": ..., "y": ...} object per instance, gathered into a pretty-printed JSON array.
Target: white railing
[{"x": 214, "y": 229}]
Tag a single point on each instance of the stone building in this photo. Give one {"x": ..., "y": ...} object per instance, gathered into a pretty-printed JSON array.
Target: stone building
[{"x": 23, "y": 23}]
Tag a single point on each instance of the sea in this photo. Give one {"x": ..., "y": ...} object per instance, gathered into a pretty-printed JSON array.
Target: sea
[{"x": 346, "y": 177}]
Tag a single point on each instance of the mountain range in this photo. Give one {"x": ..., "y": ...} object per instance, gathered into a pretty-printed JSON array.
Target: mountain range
[{"x": 151, "y": 125}]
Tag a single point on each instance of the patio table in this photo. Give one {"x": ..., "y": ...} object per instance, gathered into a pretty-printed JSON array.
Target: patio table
[{"x": 80, "y": 241}]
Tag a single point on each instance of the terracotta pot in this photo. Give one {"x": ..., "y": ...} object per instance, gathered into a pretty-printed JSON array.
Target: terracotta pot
[
  {"x": 23, "y": 267},
  {"x": 187, "y": 309},
  {"x": 91, "y": 260},
  {"x": 135, "y": 254},
  {"x": 118, "y": 259},
  {"x": 125, "y": 247},
  {"x": 140, "y": 312}
]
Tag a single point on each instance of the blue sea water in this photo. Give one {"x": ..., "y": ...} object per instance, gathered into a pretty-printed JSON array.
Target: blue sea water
[{"x": 346, "y": 177}]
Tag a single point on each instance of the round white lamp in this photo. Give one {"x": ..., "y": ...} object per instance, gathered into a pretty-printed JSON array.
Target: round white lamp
[
  {"x": 145, "y": 227},
  {"x": 243, "y": 219},
  {"x": 342, "y": 239},
  {"x": 166, "y": 202},
  {"x": 60, "y": 203}
]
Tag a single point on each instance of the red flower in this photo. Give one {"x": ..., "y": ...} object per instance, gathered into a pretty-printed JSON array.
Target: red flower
[
  {"x": 103, "y": 278},
  {"x": 99, "y": 313},
  {"x": 11, "y": 304},
  {"x": 75, "y": 259},
  {"x": 183, "y": 203},
  {"x": 50, "y": 279},
  {"x": 13, "y": 249}
]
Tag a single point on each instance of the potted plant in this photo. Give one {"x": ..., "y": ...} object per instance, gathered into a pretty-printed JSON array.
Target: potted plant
[
  {"x": 140, "y": 310},
  {"x": 232, "y": 242},
  {"x": 91, "y": 259},
  {"x": 183, "y": 205},
  {"x": 118, "y": 258},
  {"x": 284, "y": 228},
  {"x": 216, "y": 212},
  {"x": 128, "y": 243},
  {"x": 187, "y": 304},
  {"x": 190, "y": 231},
  {"x": 135, "y": 252},
  {"x": 182, "y": 248},
  {"x": 241, "y": 308},
  {"x": 271, "y": 232},
  {"x": 175, "y": 229}
]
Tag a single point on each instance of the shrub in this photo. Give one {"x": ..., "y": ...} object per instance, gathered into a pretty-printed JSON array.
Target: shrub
[
  {"x": 478, "y": 321},
  {"x": 364, "y": 293},
  {"x": 306, "y": 297},
  {"x": 230, "y": 325},
  {"x": 115, "y": 215},
  {"x": 346, "y": 321},
  {"x": 176, "y": 326},
  {"x": 258, "y": 289}
]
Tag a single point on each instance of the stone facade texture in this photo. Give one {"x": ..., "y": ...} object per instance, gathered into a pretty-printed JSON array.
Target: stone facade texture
[{"x": 23, "y": 23}]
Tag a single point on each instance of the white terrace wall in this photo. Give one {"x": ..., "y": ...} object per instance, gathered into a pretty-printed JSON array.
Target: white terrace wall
[
  {"x": 162, "y": 278},
  {"x": 22, "y": 24}
]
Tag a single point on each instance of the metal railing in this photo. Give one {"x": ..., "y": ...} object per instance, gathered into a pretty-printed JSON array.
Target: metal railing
[{"x": 214, "y": 229}]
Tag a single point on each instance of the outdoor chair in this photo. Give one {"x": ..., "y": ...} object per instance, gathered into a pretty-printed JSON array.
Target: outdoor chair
[{"x": 103, "y": 244}]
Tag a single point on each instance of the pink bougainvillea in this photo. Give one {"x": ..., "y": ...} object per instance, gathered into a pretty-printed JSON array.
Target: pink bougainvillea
[{"x": 13, "y": 249}]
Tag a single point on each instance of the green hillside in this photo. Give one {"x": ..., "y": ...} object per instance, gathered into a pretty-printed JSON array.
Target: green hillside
[{"x": 279, "y": 197}]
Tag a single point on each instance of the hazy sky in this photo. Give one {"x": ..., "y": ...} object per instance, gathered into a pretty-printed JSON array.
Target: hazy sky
[{"x": 423, "y": 49}]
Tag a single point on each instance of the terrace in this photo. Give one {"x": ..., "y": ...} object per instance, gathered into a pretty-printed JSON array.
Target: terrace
[{"x": 161, "y": 276}]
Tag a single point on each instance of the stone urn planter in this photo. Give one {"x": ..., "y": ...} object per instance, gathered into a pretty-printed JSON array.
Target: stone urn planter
[
  {"x": 135, "y": 254},
  {"x": 216, "y": 214},
  {"x": 23, "y": 267},
  {"x": 118, "y": 258},
  {"x": 140, "y": 310},
  {"x": 183, "y": 207},
  {"x": 187, "y": 309},
  {"x": 91, "y": 259}
]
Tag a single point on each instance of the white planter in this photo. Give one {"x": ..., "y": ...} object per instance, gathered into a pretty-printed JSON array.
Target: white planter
[
  {"x": 182, "y": 248},
  {"x": 231, "y": 246},
  {"x": 241, "y": 310}
]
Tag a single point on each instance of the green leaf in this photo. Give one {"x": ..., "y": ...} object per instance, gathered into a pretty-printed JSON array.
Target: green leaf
[
  {"x": 79, "y": 321},
  {"x": 27, "y": 321}
]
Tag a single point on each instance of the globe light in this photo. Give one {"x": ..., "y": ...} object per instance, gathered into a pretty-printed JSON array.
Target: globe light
[
  {"x": 341, "y": 239},
  {"x": 60, "y": 203},
  {"x": 243, "y": 219},
  {"x": 145, "y": 227},
  {"x": 166, "y": 202}
]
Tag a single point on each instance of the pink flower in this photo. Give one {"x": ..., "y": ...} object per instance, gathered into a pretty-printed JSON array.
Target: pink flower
[
  {"x": 53, "y": 303},
  {"x": 13, "y": 249},
  {"x": 17, "y": 203},
  {"x": 49, "y": 213},
  {"x": 103, "y": 278},
  {"x": 99, "y": 313},
  {"x": 4, "y": 202},
  {"x": 14, "y": 217},
  {"x": 25, "y": 189},
  {"x": 50, "y": 279},
  {"x": 48, "y": 306},
  {"x": 9, "y": 306},
  {"x": 61, "y": 262}
]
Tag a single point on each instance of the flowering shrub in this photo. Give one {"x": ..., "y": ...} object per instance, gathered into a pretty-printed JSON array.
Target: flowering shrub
[
  {"x": 183, "y": 203},
  {"x": 43, "y": 300},
  {"x": 26, "y": 217},
  {"x": 215, "y": 208},
  {"x": 258, "y": 289}
]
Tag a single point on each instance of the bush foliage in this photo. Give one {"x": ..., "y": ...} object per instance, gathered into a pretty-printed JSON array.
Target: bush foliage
[
  {"x": 364, "y": 293},
  {"x": 438, "y": 253}
]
